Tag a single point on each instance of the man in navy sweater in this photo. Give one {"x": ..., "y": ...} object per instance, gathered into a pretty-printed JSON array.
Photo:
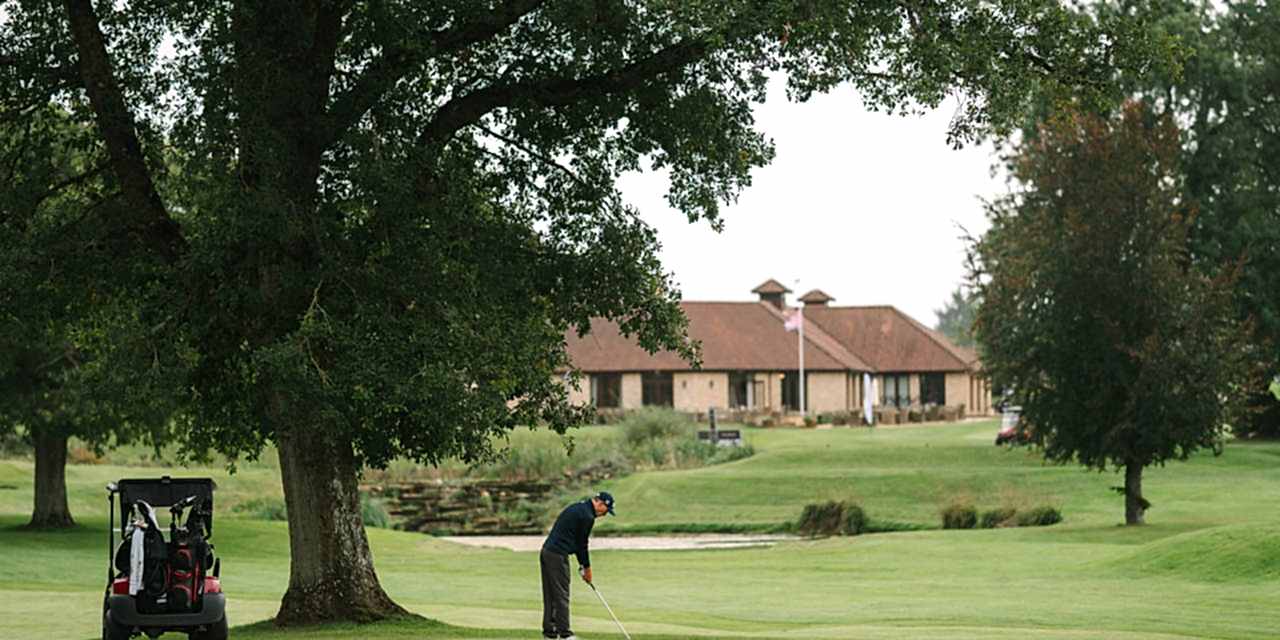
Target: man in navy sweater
[{"x": 569, "y": 535}]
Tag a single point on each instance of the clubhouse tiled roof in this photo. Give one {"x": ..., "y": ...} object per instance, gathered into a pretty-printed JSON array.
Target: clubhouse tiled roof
[
  {"x": 890, "y": 340},
  {"x": 746, "y": 336}
]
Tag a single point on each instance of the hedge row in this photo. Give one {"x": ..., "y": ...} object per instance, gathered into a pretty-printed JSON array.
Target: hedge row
[{"x": 963, "y": 516}]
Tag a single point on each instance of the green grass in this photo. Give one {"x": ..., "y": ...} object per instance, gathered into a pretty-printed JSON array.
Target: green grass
[{"x": 1205, "y": 567}]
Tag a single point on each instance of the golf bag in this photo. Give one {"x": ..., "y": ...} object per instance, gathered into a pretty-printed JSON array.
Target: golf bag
[{"x": 172, "y": 573}]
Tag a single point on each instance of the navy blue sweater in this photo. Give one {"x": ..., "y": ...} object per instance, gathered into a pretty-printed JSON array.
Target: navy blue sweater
[{"x": 571, "y": 530}]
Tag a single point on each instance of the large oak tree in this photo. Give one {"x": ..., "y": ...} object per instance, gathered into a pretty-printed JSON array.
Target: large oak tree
[
  {"x": 375, "y": 220},
  {"x": 53, "y": 247}
]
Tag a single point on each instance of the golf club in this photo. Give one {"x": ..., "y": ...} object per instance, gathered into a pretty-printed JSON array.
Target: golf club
[{"x": 606, "y": 608}]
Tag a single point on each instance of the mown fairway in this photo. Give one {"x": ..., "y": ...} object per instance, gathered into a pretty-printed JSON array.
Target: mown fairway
[{"x": 1208, "y": 565}]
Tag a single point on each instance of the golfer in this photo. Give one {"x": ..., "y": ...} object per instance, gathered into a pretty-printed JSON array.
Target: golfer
[{"x": 568, "y": 535}]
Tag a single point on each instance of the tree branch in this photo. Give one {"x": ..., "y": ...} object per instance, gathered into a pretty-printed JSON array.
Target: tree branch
[
  {"x": 1040, "y": 62},
  {"x": 116, "y": 124},
  {"x": 70, "y": 181},
  {"x": 533, "y": 153},
  {"x": 399, "y": 59},
  {"x": 551, "y": 92}
]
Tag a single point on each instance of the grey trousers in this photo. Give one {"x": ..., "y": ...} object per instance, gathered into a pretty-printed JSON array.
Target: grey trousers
[{"x": 555, "y": 594}]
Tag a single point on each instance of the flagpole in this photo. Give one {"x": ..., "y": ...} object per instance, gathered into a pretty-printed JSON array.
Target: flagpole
[{"x": 800, "y": 333}]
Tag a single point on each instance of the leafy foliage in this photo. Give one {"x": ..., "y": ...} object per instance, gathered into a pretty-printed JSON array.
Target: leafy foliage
[
  {"x": 1223, "y": 98},
  {"x": 1122, "y": 351},
  {"x": 52, "y": 286}
]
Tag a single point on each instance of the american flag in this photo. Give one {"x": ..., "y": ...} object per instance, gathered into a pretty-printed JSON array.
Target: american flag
[{"x": 794, "y": 320}]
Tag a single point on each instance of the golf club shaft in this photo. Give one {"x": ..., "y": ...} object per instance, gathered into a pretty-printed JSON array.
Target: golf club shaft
[{"x": 611, "y": 615}]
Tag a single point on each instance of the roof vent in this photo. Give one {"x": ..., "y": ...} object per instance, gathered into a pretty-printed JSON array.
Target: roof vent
[{"x": 773, "y": 292}]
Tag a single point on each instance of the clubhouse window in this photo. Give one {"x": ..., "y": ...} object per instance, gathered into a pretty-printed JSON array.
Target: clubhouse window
[
  {"x": 895, "y": 390},
  {"x": 656, "y": 389},
  {"x": 743, "y": 388},
  {"x": 606, "y": 390},
  {"x": 791, "y": 390},
  {"x": 933, "y": 388}
]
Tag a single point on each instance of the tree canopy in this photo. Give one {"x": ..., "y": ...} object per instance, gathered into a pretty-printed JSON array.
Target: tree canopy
[
  {"x": 955, "y": 318},
  {"x": 1223, "y": 96},
  {"x": 359, "y": 230},
  {"x": 54, "y": 247},
  {"x": 1121, "y": 351}
]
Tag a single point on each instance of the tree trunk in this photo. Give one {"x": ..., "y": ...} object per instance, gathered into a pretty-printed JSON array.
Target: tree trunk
[
  {"x": 1135, "y": 506},
  {"x": 51, "y": 511},
  {"x": 331, "y": 576}
]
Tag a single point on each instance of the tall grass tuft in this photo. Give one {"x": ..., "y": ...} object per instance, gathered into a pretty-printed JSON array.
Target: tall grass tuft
[
  {"x": 1039, "y": 517},
  {"x": 959, "y": 515},
  {"x": 832, "y": 518},
  {"x": 1001, "y": 517}
]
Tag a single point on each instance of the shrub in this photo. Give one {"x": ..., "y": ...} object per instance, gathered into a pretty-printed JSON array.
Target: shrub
[
  {"x": 691, "y": 452},
  {"x": 83, "y": 455},
  {"x": 531, "y": 461},
  {"x": 832, "y": 518},
  {"x": 372, "y": 513},
  {"x": 959, "y": 516},
  {"x": 841, "y": 418},
  {"x": 1039, "y": 517},
  {"x": 729, "y": 454},
  {"x": 655, "y": 424},
  {"x": 652, "y": 453},
  {"x": 997, "y": 517}
]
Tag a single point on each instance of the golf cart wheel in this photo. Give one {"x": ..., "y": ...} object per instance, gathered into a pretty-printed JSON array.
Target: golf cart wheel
[
  {"x": 216, "y": 631},
  {"x": 113, "y": 631}
]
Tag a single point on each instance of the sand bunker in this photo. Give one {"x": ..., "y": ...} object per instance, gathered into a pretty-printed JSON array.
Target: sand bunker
[{"x": 631, "y": 543}]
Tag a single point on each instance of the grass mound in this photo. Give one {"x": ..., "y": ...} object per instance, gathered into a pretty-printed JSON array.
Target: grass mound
[{"x": 1234, "y": 553}]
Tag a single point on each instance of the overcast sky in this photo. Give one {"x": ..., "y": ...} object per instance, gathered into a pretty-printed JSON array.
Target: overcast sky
[{"x": 862, "y": 205}]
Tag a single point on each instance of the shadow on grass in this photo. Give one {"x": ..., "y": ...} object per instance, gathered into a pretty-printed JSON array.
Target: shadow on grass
[{"x": 15, "y": 531}]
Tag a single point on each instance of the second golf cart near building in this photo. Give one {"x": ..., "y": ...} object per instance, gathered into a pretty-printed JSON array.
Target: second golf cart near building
[{"x": 1012, "y": 429}]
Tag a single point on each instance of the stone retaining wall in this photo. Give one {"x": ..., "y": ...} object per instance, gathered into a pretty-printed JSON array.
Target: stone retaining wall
[{"x": 488, "y": 507}]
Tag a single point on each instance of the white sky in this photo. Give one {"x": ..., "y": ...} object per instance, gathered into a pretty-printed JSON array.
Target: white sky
[{"x": 862, "y": 205}]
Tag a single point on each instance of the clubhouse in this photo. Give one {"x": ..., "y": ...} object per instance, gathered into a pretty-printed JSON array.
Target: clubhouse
[{"x": 750, "y": 361}]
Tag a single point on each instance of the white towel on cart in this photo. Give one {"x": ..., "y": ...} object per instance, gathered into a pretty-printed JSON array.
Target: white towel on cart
[{"x": 136, "y": 551}]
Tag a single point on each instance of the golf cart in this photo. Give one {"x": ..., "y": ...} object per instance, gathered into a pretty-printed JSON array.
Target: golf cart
[
  {"x": 158, "y": 583},
  {"x": 1013, "y": 429}
]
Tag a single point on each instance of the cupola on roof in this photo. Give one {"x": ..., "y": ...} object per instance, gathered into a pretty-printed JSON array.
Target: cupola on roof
[
  {"x": 816, "y": 296},
  {"x": 771, "y": 286}
]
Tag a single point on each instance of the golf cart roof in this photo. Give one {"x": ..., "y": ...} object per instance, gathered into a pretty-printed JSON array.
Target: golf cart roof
[{"x": 163, "y": 491}]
